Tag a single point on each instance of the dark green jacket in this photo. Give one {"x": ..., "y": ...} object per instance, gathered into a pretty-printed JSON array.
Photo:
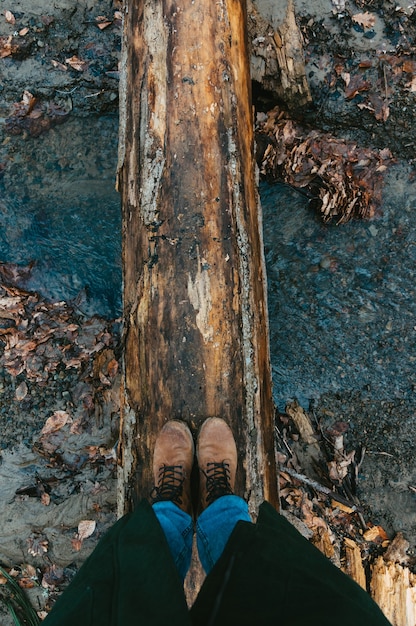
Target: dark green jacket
[{"x": 268, "y": 574}]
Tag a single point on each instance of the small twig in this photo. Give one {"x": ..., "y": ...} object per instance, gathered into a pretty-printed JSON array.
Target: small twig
[
  {"x": 66, "y": 93},
  {"x": 376, "y": 452},
  {"x": 385, "y": 82},
  {"x": 318, "y": 487},
  {"x": 94, "y": 95},
  {"x": 288, "y": 448}
]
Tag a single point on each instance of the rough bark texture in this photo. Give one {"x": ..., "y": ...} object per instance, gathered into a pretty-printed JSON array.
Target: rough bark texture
[
  {"x": 277, "y": 58},
  {"x": 393, "y": 587},
  {"x": 195, "y": 311}
]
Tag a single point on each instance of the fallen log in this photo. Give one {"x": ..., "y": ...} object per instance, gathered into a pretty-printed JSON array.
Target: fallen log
[
  {"x": 277, "y": 56},
  {"x": 195, "y": 310}
]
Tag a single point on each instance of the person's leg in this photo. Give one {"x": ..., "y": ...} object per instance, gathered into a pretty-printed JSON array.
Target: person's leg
[
  {"x": 171, "y": 497},
  {"x": 269, "y": 574},
  {"x": 129, "y": 579},
  {"x": 215, "y": 525},
  {"x": 179, "y": 529},
  {"x": 221, "y": 509}
]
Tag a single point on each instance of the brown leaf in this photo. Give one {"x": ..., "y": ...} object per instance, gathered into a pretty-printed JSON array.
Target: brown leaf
[
  {"x": 76, "y": 427},
  {"x": 409, "y": 66},
  {"x": 6, "y": 46},
  {"x": 28, "y": 571},
  {"x": 45, "y": 499},
  {"x": 412, "y": 85},
  {"x": 366, "y": 20},
  {"x": 59, "y": 66},
  {"x": 379, "y": 107},
  {"x": 26, "y": 583},
  {"x": 52, "y": 576},
  {"x": 10, "y": 18},
  {"x": 102, "y": 22},
  {"x": 37, "y": 545},
  {"x": 28, "y": 99},
  {"x": 86, "y": 528},
  {"x": 76, "y": 544},
  {"x": 77, "y": 64},
  {"x": 104, "y": 380},
  {"x": 23, "y": 31},
  {"x": 355, "y": 85},
  {"x": 55, "y": 422}
]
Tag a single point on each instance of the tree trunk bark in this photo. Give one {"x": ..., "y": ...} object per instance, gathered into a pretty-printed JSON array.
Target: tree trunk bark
[
  {"x": 277, "y": 56},
  {"x": 195, "y": 310}
]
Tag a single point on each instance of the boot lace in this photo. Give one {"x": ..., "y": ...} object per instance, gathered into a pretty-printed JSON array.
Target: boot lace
[
  {"x": 170, "y": 484},
  {"x": 218, "y": 481}
]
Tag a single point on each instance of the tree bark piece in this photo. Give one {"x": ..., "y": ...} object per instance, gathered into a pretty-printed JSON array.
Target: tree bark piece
[
  {"x": 393, "y": 587},
  {"x": 277, "y": 57},
  {"x": 195, "y": 310},
  {"x": 354, "y": 565}
]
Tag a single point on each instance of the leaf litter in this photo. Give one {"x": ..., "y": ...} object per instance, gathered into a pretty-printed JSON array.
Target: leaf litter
[
  {"x": 318, "y": 490},
  {"x": 343, "y": 180},
  {"x": 67, "y": 494}
]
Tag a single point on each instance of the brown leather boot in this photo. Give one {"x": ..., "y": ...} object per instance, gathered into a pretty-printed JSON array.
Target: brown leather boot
[
  {"x": 173, "y": 458},
  {"x": 217, "y": 461}
]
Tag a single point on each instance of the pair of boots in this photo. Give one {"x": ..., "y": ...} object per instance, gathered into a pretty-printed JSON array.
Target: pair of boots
[{"x": 173, "y": 460}]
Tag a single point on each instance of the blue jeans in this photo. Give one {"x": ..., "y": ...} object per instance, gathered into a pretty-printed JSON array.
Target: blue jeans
[{"x": 213, "y": 528}]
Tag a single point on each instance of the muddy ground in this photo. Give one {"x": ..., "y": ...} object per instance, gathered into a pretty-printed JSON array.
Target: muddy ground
[{"x": 59, "y": 66}]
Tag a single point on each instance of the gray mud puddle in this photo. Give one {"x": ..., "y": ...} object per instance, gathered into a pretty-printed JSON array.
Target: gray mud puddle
[
  {"x": 343, "y": 333},
  {"x": 341, "y": 299},
  {"x": 59, "y": 209}
]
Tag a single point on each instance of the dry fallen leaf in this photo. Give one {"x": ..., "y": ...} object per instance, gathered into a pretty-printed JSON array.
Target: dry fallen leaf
[
  {"x": 28, "y": 571},
  {"x": 25, "y": 582},
  {"x": 102, "y": 21},
  {"x": 104, "y": 380},
  {"x": 52, "y": 576},
  {"x": 86, "y": 528},
  {"x": 366, "y": 20},
  {"x": 59, "y": 66},
  {"x": 45, "y": 499},
  {"x": 76, "y": 544},
  {"x": 77, "y": 64},
  {"x": 37, "y": 545},
  {"x": 10, "y": 18},
  {"x": 412, "y": 85},
  {"x": 56, "y": 422},
  {"x": 76, "y": 427},
  {"x": 23, "y": 31},
  {"x": 28, "y": 99},
  {"x": 21, "y": 391}
]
